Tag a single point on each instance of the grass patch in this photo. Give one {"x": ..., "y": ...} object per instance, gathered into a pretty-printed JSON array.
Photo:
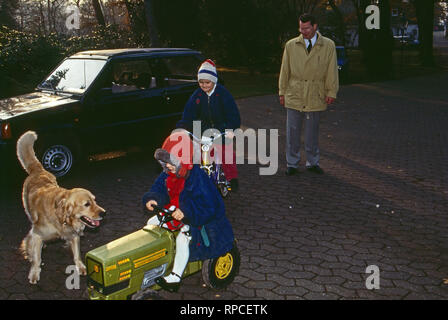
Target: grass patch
[{"x": 242, "y": 83}]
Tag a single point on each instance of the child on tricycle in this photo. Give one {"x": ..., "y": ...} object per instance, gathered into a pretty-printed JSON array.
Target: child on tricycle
[{"x": 214, "y": 106}]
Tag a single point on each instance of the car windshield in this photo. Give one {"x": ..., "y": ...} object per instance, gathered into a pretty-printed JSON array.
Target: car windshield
[{"x": 73, "y": 75}]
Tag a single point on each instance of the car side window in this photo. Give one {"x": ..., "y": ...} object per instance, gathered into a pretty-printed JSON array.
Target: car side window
[
  {"x": 129, "y": 76},
  {"x": 181, "y": 69}
]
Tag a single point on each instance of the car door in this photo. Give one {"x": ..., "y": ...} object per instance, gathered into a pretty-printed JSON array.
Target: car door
[
  {"x": 126, "y": 107},
  {"x": 180, "y": 80}
]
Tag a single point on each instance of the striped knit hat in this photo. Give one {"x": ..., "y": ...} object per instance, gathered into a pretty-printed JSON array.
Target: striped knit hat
[{"x": 207, "y": 71}]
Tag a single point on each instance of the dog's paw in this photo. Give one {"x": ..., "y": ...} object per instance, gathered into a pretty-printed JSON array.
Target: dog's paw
[
  {"x": 81, "y": 268},
  {"x": 34, "y": 276}
]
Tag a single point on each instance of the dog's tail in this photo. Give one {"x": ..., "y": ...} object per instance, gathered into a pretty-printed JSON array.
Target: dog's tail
[{"x": 25, "y": 152}]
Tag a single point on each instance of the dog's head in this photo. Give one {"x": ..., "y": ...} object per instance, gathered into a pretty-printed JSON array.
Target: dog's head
[{"x": 79, "y": 209}]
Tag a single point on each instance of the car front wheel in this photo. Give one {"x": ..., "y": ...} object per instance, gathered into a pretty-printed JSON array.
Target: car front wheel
[{"x": 57, "y": 157}]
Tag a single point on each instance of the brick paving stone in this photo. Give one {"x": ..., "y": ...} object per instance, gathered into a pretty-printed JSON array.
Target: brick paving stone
[
  {"x": 350, "y": 276},
  {"x": 321, "y": 296},
  {"x": 311, "y": 285},
  {"x": 261, "y": 284},
  {"x": 349, "y": 284},
  {"x": 409, "y": 286},
  {"x": 300, "y": 274},
  {"x": 269, "y": 295},
  {"x": 280, "y": 280},
  {"x": 341, "y": 291},
  {"x": 290, "y": 291},
  {"x": 394, "y": 275},
  {"x": 325, "y": 257},
  {"x": 318, "y": 270},
  {"x": 243, "y": 291},
  {"x": 271, "y": 270},
  {"x": 425, "y": 296},
  {"x": 289, "y": 265},
  {"x": 329, "y": 280},
  {"x": 425, "y": 281}
]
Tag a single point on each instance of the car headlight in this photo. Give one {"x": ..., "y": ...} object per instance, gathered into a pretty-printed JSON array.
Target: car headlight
[{"x": 5, "y": 130}]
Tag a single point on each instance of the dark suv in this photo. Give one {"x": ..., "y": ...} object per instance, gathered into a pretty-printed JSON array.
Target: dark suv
[{"x": 98, "y": 100}]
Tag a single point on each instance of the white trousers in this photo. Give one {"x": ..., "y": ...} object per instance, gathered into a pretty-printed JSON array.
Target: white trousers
[{"x": 182, "y": 249}]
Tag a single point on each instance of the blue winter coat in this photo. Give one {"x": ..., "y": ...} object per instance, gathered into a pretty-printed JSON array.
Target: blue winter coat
[
  {"x": 203, "y": 207},
  {"x": 218, "y": 111}
]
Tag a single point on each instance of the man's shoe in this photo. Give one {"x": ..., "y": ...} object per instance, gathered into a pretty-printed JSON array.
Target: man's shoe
[
  {"x": 234, "y": 184},
  {"x": 315, "y": 169},
  {"x": 171, "y": 287},
  {"x": 291, "y": 171}
]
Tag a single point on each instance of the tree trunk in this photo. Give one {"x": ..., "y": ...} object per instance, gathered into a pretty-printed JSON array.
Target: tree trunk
[
  {"x": 341, "y": 24},
  {"x": 377, "y": 44},
  {"x": 425, "y": 19},
  {"x": 98, "y": 13},
  {"x": 42, "y": 25},
  {"x": 7, "y": 12},
  {"x": 151, "y": 24}
]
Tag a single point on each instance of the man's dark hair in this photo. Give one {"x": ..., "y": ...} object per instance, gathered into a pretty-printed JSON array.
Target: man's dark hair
[{"x": 308, "y": 17}]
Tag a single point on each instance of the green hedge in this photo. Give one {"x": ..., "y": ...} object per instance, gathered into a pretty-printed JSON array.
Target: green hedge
[{"x": 27, "y": 58}]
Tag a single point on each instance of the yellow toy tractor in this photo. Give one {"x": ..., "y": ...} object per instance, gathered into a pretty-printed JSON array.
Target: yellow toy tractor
[{"x": 127, "y": 268}]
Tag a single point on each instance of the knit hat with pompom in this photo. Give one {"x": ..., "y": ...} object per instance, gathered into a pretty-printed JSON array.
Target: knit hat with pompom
[{"x": 207, "y": 71}]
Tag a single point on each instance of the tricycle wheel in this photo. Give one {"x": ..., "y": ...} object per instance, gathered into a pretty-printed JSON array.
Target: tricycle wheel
[
  {"x": 223, "y": 190},
  {"x": 219, "y": 272}
]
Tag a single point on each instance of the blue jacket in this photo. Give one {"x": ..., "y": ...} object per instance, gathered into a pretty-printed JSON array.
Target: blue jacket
[
  {"x": 218, "y": 111},
  {"x": 203, "y": 207}
]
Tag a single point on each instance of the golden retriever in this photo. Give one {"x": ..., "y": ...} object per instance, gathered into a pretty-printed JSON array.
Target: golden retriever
[{"x": 54, "y": 212}]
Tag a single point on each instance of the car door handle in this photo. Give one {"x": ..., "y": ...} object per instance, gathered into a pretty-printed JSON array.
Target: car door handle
[{"x": 166, "y": 96}]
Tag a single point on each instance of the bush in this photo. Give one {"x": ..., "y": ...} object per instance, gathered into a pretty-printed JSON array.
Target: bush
[{"x": 27, "y": 58}]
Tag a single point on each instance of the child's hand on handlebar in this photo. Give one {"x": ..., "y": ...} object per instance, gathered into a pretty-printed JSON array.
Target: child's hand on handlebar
[
  {"x": 178, "y": 214},
  {"x": 150, "y": 203}
]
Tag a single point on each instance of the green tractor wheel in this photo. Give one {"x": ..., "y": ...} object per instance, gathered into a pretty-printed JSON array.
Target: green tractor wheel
[{"x": 219, "y": 272}]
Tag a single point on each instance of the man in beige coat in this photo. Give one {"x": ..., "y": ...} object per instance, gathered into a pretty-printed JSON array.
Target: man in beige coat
[{"x": 308, "y": 83}]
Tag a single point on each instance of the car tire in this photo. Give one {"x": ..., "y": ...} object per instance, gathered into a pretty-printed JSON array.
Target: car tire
[
  {"x": 219, "y": 272},
  {"x": 58, "y": 155}
]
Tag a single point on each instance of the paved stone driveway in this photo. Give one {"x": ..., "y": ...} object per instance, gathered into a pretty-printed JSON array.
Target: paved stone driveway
[{"x": 382, "y": 201}]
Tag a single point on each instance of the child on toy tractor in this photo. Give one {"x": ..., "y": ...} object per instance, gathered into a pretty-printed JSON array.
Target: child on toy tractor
[{"x": 205, "y": 231}]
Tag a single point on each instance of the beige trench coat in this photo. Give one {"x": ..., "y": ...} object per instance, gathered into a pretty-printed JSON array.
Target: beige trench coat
[{"x": 307, "y": 79}]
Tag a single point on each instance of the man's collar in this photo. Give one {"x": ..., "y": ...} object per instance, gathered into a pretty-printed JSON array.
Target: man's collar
[{"x": 301, "y": 39}]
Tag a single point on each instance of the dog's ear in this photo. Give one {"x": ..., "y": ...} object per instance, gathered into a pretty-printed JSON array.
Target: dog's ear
[
  {"x": 65, "y": 210},
  {"x": 68, "y": 208},
  {"x": 59, "y": 203}
]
